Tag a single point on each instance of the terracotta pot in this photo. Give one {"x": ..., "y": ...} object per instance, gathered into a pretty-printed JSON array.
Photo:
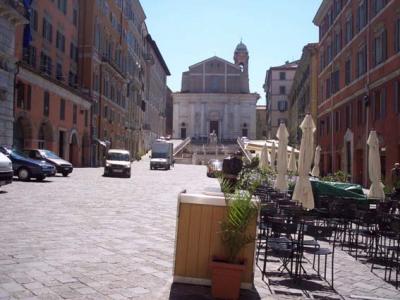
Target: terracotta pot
[{"x": 226, "y": 279}]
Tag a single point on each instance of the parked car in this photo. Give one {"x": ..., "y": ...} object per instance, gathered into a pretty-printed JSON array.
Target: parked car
[
  {"x": 214, "y": 166},
  {"x": 118, "y": 162},
  {"x": 62, "y": 166},
  {"x": 26, "y": 168},
  {"x": 6, "y": 170}
]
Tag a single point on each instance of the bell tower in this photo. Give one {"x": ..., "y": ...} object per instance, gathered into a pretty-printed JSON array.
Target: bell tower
[{"x": 241, "y": 58}]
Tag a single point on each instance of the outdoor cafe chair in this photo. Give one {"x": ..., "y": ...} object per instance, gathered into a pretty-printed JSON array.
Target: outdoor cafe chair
[
  {"x": 393, "y": 252},
  {"x": 283, "y": 243},
  {"x": 327, "y": 235}
]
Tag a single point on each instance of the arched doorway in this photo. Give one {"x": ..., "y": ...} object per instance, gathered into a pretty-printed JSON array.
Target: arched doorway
[
  {"x": 45, "y": 136},
  {"x": 74, "y": 157},
  {"x": 22, "y": 133},
  {"x": 85, "y": 152}
]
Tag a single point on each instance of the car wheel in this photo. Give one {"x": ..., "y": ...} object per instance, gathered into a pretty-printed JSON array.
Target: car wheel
[
  {"x": 168, "y": 167},
  {"x": 65, "y": 174},
  {"x": 23, "y": 174},
  {"x": 40, "y": 178}
]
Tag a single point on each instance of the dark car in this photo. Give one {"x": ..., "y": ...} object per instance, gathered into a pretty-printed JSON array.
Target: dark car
[
  {"x": 62, "y": 166},
  {"x": 214, "y": 167},
  {"x": 26, "y": 168}
]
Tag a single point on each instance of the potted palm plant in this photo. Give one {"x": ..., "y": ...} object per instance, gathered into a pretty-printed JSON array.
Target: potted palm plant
[{"x": 227, "y": 271}]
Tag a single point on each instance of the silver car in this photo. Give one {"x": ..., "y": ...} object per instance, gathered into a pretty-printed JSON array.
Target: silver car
[{"x": 214, "y": 167}]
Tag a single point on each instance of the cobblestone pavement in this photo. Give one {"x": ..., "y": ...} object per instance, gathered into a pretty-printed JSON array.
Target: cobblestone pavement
[{"x": 90, "y": 237}]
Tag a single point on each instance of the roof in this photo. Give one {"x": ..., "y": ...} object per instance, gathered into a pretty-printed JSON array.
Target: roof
[
  {"x": 241, "y": 47},
  {"x": 158, "y": 53},
  {"x": 212, "y": 58},
  {"x": 321, "y": 12},
  {"x": 287, "y": 65}
]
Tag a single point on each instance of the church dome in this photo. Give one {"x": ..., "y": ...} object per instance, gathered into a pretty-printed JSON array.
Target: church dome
[{"x": 241, "y": 47}]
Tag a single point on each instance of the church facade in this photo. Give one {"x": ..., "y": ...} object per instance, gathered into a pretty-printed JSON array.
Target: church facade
[{"x": 215, "y": 97}]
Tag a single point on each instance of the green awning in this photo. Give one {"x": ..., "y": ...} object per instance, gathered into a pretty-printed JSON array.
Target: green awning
[{"x": 337, "y": 189}]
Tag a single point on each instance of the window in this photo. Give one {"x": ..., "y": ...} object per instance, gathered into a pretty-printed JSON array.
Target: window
[
  {"x": 282, "y": 75},
  {"x": 349, "y": 29},
  {"x": 347, "y": 72},
  {"x": 29, "y": 56},
  {"x": 397, "y": 36},
  {"x": 282, "y": 90},
  {"x": 335, "y": 85},
  {"x": 62, "y": 109},
  {"x": 20, "y": 94},
  {"x": 378, "y": 5},
  {"x": 59, "y": 72},
  {"x": 75, "y": 17},
  {"x": 62, "y": 5},
  {"x": 60, "y": 41},
  {"x": 34, "y": 20},
  {"x": 47, "y": 32},
  {"x": 45, "y": 64},
  {"x": 378, "y": 104},
  {"x": 46, "y": 104},
  {"x": 282, "y": 120},
  {"x": 282, "y": 105},
  {"x": 337, "y": 120},
  {"x": 74, "y": 113},
  {"x": 362, "y": 61},
  {"x": 380, "y": 48},
  {"x": 328, "y": 124},
  {"x": 72, "y": 79},
  {"x": 105, "y": 112},
  {"x": 337, "y": 45},
  {"x": 362, "y": 15},
  {"x": 327, "y": 88},
  {"x": 396, "y": 100},
  {"x": 73, "y": 52}
]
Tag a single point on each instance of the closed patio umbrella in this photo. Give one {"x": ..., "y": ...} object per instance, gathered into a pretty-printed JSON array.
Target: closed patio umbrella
[
  {"x": 374, "y": 167},
  {"x": 292, "y": 161},
  {"x": 273, "y": 155},
  {"x": 317, "y": 157},
  {"x": 281, "y": 183},
  {"x": 264, "y": 157},
  {"x": 303, "y": 191}
]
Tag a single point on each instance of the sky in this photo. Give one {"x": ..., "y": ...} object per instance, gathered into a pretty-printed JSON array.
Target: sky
[{"x": 189, "y": 31}]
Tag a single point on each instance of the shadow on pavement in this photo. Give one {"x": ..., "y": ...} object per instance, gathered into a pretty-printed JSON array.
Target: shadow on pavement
[
  {"x": 3, "y": 192},
  {"x": 195, "y": 292}
]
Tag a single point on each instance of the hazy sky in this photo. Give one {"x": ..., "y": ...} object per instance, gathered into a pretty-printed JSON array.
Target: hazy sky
[{"x": 189, "y": 31}]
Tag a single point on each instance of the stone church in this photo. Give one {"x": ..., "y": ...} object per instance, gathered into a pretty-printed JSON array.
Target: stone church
[{"x": 215, "y": 97}]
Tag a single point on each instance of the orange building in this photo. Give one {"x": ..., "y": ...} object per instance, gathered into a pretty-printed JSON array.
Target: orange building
[
  {"x": 358, "y": 84},
  {"x": 51, "y": 111},
  {"x": 112, "y": 67}
]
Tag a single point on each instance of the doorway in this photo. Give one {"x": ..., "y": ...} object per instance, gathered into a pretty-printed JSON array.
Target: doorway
[
  {"x": 61, "y": 143},
  {"x": 183, "y": 133},
  {"x": 214, "y": 127}
]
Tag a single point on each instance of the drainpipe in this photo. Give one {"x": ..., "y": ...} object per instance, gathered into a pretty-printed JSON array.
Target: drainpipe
[
  {"x": 366, "y": 103},
  {"x": 16, "y": 72}
]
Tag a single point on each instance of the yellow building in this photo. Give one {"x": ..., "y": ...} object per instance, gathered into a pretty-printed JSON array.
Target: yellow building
[{"x": 303, "y": 95}]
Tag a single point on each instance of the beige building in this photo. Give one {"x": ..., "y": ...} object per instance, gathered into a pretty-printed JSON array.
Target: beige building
[
  {"x": 261, "y": 123},
  {"x": 215, "y": 97},
  {"x": 303, "y": 95},
  {"x": 11, "y": 15},
  {"x": 278, "y": 83}
]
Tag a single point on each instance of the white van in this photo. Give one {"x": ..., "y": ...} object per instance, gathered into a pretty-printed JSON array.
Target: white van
[
  {"x": 118, "y": 163},
  {"x": 6, "y": 170}
]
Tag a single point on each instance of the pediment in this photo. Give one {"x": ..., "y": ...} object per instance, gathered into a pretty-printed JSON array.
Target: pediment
[{"x": 214, "y": 59}]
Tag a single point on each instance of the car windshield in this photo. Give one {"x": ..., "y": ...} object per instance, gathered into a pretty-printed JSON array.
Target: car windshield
[
  {"x": 118, "y": 156},
  {"x": 19, "y": 154},
  {"x": 49, "y": 154},
  {"x": 159, "y": 155}
]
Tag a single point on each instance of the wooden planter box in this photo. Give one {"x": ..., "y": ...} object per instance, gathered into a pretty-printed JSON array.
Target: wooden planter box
[{"x": 197, "y": 240}]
